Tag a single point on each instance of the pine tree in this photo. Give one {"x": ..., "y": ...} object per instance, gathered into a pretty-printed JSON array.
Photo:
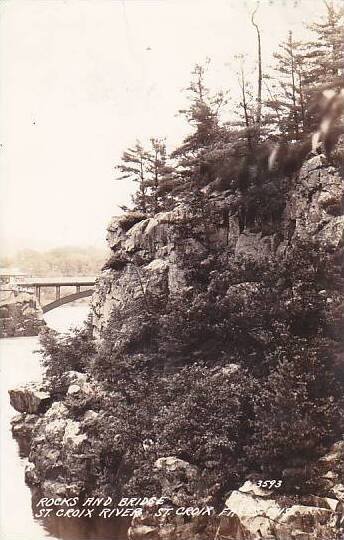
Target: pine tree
[
  {"x": 203, "y": 116},
  {"x": 324, "y": 60},
  {"x": 133, "y": 167},
  {"x": 152, "y": 171},
  {"x": 326, "y": 53},
  {"x": 160, "y": 177},
  {"x": 286, "y": 95}
]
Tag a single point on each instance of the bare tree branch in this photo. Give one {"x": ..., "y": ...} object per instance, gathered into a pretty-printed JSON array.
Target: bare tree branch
[{"x": 260, "y": 74}]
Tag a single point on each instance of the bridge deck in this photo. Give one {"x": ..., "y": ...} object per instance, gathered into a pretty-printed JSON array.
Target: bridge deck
[{"x": 55, "y": 281}]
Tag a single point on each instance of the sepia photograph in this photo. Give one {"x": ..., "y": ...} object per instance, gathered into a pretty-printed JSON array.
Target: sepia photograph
[{"x": 171, "y": 269}]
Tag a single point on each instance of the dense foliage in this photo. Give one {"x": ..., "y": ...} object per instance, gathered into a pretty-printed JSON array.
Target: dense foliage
[{"x": 239, "y": 373}]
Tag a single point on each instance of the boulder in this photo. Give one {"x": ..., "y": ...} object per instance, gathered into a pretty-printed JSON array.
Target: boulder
[
  {"x": 179, "y": 479},
  {"x": 90, "y": 418},
  {"x": 306, "y": 520},
  {"x": 30, "y": 398},
  {"x": 175, "y": 465},
  {"x": 52, "y": 489},
  {"x": 252, "y": 489},
  {"x": 230, "y": 369},
  {"x": 23, "y": 426},
  {"x": 143, "y": 532},
  {"x": 256, "y": 514},
  {"x": 73, "y": 389},
  {"x": 31, "y": 476}
]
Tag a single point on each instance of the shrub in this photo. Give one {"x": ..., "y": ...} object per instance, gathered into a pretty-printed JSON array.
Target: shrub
[
  {"x": 65, "y": 352},
  {"x": 297, "y": 414}
]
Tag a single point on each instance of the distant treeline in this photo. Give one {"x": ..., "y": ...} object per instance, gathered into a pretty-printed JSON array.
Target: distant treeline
[{"x": 64, "y": 261}]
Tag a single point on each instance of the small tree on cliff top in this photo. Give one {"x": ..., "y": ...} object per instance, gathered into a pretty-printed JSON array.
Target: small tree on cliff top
[
  {"x": 203, "y": 115},
  {"x": 133, "y": 167},
  {"x": 287, "y": 100},
  {"x": 152, "y": 171}
]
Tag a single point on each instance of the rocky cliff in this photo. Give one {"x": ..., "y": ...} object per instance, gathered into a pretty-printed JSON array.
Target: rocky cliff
[
  {"x": 149, "y": 253},
  {"x": 20, "y": 315},
  {"x": 150, "y": 259}
]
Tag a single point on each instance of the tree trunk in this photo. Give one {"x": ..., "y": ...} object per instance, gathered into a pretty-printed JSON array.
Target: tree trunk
[{"x": 260, "y": 75}]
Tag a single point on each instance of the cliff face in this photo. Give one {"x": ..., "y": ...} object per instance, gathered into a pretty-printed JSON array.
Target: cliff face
[
  {"x": 149, "y": 253},
  {"x": 150, "y": 257}
]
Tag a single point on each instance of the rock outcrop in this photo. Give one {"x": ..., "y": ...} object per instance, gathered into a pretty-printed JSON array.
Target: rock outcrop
[
  {"x": 23, "y": 426},
  {"x": 57, "y": 443},
  {"x": 315, "y": 206},
  {"x": 30, "y": 398},
  {"x": 258, "y": 516},
  {"x": 20, "y": 315},
  {"x": 250, "y": 513},
  {"x": 145, "y": 259},
  {"x": 147, "y": 255},
  {"x": 148, "y": 252}
]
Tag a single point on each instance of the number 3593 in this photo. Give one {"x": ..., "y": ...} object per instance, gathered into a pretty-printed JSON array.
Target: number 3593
[{"x": 269, "y": 483}]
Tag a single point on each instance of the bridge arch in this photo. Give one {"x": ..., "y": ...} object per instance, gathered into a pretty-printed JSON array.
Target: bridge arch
[
  {"x": 39, "y": 283},
  {"x": 66, "y": 300}
]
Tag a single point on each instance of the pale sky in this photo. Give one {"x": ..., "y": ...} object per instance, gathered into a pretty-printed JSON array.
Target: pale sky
[{"x": 82, "y": 79}]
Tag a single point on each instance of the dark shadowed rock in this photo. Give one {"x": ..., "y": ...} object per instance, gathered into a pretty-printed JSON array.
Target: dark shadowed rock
[
  {"x": 20, "y": 315},
  {"x": 23, "y": 426},
  {"x": 255, "y": 517},
  {"x": 179, "y": 479},
  {"x": 30, "y": 398}
]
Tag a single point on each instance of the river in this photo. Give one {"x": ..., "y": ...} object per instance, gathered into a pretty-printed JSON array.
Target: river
[{"x": 20, "y": 364}]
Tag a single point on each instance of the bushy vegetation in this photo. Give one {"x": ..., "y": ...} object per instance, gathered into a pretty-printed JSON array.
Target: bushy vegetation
[
  {"x": 71, "y": 351},
  {"x": 239, "y": 373}
]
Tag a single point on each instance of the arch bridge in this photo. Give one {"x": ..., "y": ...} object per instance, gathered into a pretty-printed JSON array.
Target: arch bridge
[{"x": 83, "y": 287}]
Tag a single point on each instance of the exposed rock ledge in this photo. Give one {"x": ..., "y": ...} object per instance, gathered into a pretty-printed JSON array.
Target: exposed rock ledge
[
  {"x": 20, "y": 315},
  {"x": 252, "y": 514},
  {"x": 58, "y": 446},
  {"x": 30, "y": 398},
  {"x": 148, "y": 252}
]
